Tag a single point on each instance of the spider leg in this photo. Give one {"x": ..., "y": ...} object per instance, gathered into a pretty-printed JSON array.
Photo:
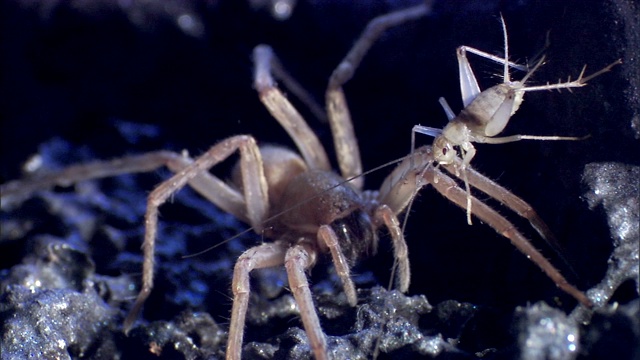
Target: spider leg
[
  {"x": 282, "y": 110},
  {"x": 510, "y": 200},
  {"x": 261, "y": 256},
  {"x": 256, "y": 197},
  {"x": 327, "y": 236},
  {"x": 14, "y": 192},
  {"x": 399, "y": 187},
  {"x": 298, "y": 259},
  {"x": 516, "y": 204},
  {"x": 450, "y": 189},
  {"x": 295, "y": 88},
  {"x": 339, "y": 118},
  {"x": 385, "y": 215}
]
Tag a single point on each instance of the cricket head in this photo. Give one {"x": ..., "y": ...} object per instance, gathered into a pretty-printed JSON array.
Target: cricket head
[
  {"x": 456, "y": 133},
  {"x": 443, "y": 151}
]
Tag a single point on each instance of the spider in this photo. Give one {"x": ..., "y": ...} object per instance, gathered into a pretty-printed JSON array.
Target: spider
[{"x": 296, "y": 200}]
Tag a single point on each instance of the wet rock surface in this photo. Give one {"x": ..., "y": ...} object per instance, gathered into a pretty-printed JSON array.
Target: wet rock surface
[
  {"x": 96, "y": 81},
  {"x": 56, "y": 324}
]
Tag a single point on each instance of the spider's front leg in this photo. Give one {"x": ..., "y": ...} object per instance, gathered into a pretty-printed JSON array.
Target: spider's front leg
[
  {"x": 385, "y": 215},
  {"x": 261, "y": 256},
  {"x": 418, "y": 170},
  {"x": 252, "y": 208},
  {"x": 509, "y": 199},
  {"x": 329, "y": 237},
  {"x": 449, "y": 188},
  {"x": 299, "y": 258}
]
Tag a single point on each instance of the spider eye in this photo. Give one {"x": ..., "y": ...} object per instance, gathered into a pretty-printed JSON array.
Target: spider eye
[{"x": 444, "y": 151}]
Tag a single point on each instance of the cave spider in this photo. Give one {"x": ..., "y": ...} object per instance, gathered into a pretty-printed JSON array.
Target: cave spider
[
  {"x": 299, "y": 202},
  {"x": 331, "y": 215}
]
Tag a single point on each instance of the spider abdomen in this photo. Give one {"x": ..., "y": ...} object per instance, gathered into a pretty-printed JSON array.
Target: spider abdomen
[{"x": 315, "y": 198}]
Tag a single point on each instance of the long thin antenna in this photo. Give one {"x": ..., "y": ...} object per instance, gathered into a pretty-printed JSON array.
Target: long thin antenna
[{"x": 506, "y": 76}]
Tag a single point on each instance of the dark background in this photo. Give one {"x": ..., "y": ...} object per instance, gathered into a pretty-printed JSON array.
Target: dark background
[{"x": 74, "y": 70}]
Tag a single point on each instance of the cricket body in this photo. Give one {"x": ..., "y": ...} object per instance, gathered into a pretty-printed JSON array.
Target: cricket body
[{"x": 486, "y": 113}]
